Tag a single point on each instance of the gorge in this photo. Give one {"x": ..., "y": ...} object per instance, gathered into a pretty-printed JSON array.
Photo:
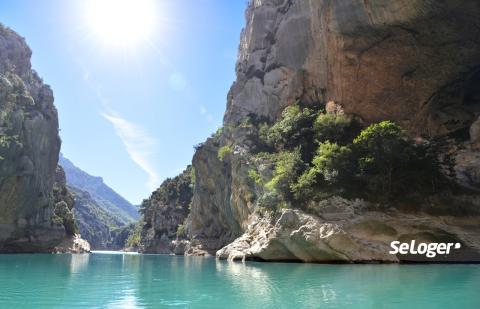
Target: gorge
[{"x": 351, "y": 124}]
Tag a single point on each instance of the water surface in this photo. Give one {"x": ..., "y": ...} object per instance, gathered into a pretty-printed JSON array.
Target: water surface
[{"x": 156, "y": 281}]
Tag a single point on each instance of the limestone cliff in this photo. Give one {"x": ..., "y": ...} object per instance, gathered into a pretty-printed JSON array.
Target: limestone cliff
[
  {"x": 164, "y": 214},
  {"x": 35, "y": 215},
  {"x": 414, "y": 62},
  {"x": 411, "y": 61}
]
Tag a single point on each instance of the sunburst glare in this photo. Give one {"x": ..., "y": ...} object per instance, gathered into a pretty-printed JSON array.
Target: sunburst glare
[{"x": 121, "y": 23}]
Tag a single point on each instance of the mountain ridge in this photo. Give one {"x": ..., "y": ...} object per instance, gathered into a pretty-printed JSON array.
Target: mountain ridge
[{"x": 105, "y": 196}]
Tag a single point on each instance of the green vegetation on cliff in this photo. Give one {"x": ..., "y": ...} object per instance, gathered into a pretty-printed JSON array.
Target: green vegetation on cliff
[
  {"x": 165, "y": 212},
  {"x": 315, "y": 154}
]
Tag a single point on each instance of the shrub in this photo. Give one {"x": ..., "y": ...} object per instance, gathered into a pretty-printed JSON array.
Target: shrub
[
  {"x": 333, "y": 162},
  {"x": 331, "y": 127},
  {"x": 223, "y": 152},
  {"x": 192, "y": 176},
  {"x": 135, "y": 236},
  {"x": 181, "y": 231},
  {"x": 255, "y": 176},
  {"x": 332, "y": 165},
  {"x": 176, "y": 191},
  {"x": 382, "y": 149},
  {"x": 288, "y": 166},
  {"x": 306, "y": 185},
  {"x": 294, "y": 129},
  {"x": 218, "y": 133},
  {"x": 392, "y": 166},
  {"x": 271, "y": 201},
  {"x": 6, "y": 141}
]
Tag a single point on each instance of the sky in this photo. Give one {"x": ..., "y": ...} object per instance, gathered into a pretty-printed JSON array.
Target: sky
[{"x": 137, "y": 83}]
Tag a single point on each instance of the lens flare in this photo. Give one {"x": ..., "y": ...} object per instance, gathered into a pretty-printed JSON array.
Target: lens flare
[{"x": 121, "y": 23}]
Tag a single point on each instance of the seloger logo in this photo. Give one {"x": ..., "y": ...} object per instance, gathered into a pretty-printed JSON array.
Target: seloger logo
[{"x": 430, "y": 250}]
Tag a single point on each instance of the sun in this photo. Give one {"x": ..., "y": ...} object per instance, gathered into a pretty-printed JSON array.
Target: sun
[{"x": 121, "y": 23}]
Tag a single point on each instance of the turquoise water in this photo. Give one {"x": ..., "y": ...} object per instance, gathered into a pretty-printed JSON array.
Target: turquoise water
[{"x": 155, "y": 281}]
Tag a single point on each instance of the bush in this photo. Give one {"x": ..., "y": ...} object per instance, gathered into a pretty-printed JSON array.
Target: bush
[
  {"x": 382, "y": 149},
  {"x": 331, "y": 127},
  {"x": 223, "y": 152},
  {"x": 334, "y": 162},
  {"x": 254, "y": 175},
  {"x": 271, "y": 201},
  {"x": 288, "y": 166},
  {"x": 218, "y": 133},
  {"x": 307, "y": 184},
  {"x": 294, "y": 129},
  {"x": 176, "y": 191},
  {"x": 181, "y": 233},
  {"x": 332, "y": 165},
  {"x": 135, "y": 237},
  {"x": 377, "y": 163}
]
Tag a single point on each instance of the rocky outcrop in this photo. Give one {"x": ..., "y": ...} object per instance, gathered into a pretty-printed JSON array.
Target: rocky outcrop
[
  {"x": 35, "y": 214},
  {"x": 348, "y": 232},
  {"x": 74, "y": 244}
]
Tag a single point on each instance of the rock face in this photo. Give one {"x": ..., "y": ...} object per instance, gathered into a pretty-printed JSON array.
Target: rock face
[
  {"x": 34, "y": 217},
  {"x": 412, "y": 61},
  {"x": 96, "y": 225},
  {"x": 165, "y": 213},
  {"x": 361, "y": 236},
  {"x": 415, "y": 62},
  {"x": 73, "y": 244}
]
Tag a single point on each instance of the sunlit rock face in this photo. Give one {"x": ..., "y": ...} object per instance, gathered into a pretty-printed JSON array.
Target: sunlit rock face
[
  {"x": 355, "y": 235},
  {"x": 30, "y": 211},
  {"x": 416, "y": 62},
  {"x": 412, "y": 61}
]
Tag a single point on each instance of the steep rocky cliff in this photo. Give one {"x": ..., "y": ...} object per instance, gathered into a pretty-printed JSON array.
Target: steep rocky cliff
[
  {"x": 412, "y": 62},
  {"x": 164, "y": 214},
  {"x": 35, "y": 214}
]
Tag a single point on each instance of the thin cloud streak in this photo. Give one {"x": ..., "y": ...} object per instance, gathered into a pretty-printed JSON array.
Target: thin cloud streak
[{"x": 139, "y": 145}]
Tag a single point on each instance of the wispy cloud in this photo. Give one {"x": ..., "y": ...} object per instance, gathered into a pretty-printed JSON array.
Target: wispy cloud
[
  {"x": 204, "y": 112},
  {"x": 139, "y": 145}
]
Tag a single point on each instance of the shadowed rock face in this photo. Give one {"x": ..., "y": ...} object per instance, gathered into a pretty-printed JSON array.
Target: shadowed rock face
[
  {"x": 416, "y": 62},
  {"x": 164, "y": 212},
  {"x": 29, "y": 148}
]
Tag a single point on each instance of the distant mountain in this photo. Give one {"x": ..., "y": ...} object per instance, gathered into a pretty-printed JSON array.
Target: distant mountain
[
  {"x": 104, "y": 196},
  {"x": 101, "y": 228}
]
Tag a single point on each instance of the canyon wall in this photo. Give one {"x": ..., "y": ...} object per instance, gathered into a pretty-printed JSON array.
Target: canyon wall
[
  {"x": 414, "y": 62},
  {"x": 35, "y": 207}
]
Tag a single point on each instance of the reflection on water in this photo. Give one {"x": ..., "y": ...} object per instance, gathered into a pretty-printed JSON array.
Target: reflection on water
[
  {"x": 269, "y": 282},
  {"x": 146, "y": 281},
  {"x": 78, "y": 262}
]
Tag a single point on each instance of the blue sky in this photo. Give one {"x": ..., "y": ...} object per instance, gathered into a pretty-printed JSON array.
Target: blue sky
[{"x": 132, "y": 113}]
